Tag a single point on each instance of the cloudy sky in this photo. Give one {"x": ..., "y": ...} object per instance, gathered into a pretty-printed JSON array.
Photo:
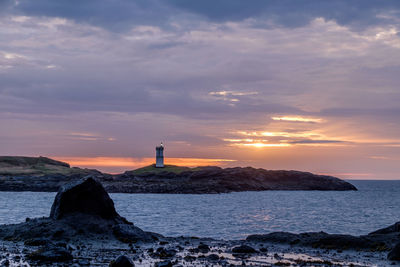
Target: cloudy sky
[{"x": 279, "y": 84}]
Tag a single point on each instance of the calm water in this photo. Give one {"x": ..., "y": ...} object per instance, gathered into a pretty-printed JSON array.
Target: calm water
[{"x": 236, "y": 215}]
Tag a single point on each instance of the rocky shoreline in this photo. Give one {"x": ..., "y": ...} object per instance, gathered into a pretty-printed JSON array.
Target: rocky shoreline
[
  {"x": 84, "y": 229},
  {"x": 46, "y": 175}
]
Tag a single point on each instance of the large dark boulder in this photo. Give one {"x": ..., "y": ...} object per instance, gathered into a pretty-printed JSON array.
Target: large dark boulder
[
  {"x": 244, "y": 249},
  {"x": 394, "y": 255},
  {"x": 83, "y": 196},
  {"x": 122, "y": 261},
  {"x": 394, "y": 228}
]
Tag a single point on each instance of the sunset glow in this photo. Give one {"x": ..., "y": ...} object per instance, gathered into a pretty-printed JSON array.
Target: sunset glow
[
  {"x": 119, "y": 165},
  {"x": 296, "y": 119}
]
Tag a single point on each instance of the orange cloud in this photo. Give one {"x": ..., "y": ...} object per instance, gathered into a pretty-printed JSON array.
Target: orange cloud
[{"x": 297, "y": 119}]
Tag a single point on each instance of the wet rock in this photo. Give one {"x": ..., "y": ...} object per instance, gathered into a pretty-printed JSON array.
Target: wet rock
[
  {"x": 395, "y": 228},
  {"x": 189, "y": 258},
  {"x": 37, "y": 242},
  {"x": 164, "y": 264},
  {"x": 335, "y": 241},
  {"x": 50, "y": 254},
  {"x": 84, "y": 262},
  {"x": 61, "y": 244},
  {"x": 213, "y": 257},
  {"x": 276, "y": 237},
  {"x": 325, "y": 241},
  {"x": 203, "y": 248},
  {"x": 163, "y": 253},
  {"x": 128, "y": 233},
  {"x": 83, "y": 196},
  {"x": 244, "y": 249},
  {"x": 394, "y": 254},
  {"x": 263, "y": 249},
  {"x": 122, "y": 261}
]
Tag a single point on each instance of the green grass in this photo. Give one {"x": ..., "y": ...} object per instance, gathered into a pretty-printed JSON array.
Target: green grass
[
  {"x": 167, "y": 168},
  {"x": 36, "y": 166},
  {"x": 41, "y": 170}
]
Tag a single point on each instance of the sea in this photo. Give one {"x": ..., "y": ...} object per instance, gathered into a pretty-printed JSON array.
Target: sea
[{"x": 375, "y": 205}]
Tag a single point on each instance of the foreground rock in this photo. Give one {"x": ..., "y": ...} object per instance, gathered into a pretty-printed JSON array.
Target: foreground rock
[
  {"x": 394, "y": 255},
  {"x": 380, "y": 240},
  {"x": 50, "y": 254},
  {"x": 81, "y": 210},
  {"x": 43, "y": 174},
  {"x": 84, "y": 196},
  {"x": 122, "y": 261},
  {"x": 244, "y": 249}
]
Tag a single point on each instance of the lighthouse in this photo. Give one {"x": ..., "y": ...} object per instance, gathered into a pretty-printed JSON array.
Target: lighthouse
[{"x": 160, "y": 156}]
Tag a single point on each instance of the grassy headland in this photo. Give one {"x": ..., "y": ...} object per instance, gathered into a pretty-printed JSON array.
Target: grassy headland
[
  {"x": 167, "y": 168},
  {"x": 15, "y": 165}
]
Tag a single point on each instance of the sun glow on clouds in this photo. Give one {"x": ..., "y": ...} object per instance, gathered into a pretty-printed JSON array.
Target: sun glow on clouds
[
  {"x": 264, "y": 145},
  {"x": 282, "y": 139},
  {"x": 121, "y": 164},
  {"x": 297, "y": 119},
  {"x": 281, "y": 134}
]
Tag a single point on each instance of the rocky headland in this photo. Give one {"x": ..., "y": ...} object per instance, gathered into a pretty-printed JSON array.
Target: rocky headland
[
  {"x": 84, "y": 229},
  {"x": 44, "y": 174}
]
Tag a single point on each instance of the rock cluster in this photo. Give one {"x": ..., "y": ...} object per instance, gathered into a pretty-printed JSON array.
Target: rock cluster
[
  {"x": 380, "y": 240},
  {"x": 81, "y": 210}
]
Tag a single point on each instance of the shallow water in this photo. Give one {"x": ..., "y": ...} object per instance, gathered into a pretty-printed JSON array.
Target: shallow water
[{"x": 236, "y": 215}]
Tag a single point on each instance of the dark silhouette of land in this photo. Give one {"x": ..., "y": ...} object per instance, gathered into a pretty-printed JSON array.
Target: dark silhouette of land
[{"x": 47, "y": 175}]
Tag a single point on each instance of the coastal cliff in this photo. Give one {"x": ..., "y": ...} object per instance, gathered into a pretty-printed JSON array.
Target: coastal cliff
[{"x": 43, "y": 174}]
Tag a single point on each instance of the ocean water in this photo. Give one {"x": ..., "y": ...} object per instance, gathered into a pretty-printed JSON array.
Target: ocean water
[{"x": 236, "y": 215}]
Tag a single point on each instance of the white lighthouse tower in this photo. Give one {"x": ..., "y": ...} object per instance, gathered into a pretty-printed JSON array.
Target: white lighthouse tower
[{"x": 160, "y": 156}]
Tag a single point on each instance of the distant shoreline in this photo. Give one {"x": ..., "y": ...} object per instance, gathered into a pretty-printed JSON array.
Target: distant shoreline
[{"x": 40, "y": 174}]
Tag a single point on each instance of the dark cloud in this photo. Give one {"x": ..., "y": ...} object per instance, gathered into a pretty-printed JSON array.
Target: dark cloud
[
  {"x": 123, "y": 14},
  {"x": 115, "y": 15},
  {"x": 295, "y": 13}
]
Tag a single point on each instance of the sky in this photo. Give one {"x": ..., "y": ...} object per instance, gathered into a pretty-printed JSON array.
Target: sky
[{"x": 310, "y": 85}]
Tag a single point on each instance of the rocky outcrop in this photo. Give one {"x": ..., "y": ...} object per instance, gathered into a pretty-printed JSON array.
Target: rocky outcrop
[
  {"x": 173, "y": 179},
  {"x": 82, "y": 209},
  {"x": 393, "y": 229},
  {"x": 244, "y": 249},
  {"x": 50, "y": 253},
  {"x": 219, "y": 180},
  {"x": 394, "y": 254},
  {"x": 83, "y": 196},
  {"x": 380, "y": 240},
  {"x": 122, "y": 261}
]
